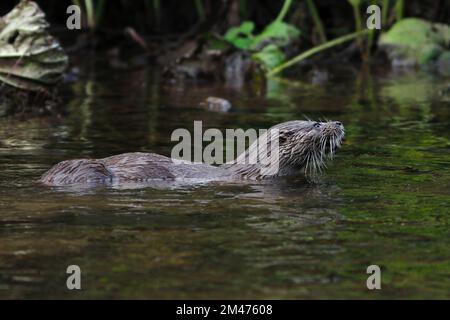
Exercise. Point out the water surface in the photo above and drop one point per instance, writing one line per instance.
(384, 200)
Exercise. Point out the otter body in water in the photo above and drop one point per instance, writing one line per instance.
(303, 146)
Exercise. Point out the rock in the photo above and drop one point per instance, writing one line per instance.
(30, 58)
(193, 69)
(217, 104)
(445, 91)
(416, 42)
(237, 68)
(318, 77)
(443, 63)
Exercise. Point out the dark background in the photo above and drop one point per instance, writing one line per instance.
(179, 16)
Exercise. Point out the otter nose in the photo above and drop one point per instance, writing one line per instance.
(339, 123)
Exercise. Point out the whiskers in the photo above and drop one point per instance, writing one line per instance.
(303, 146)
(322, 150)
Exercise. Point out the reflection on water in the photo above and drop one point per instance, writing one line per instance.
(384, 200)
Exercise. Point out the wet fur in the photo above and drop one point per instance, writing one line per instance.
(304, 146)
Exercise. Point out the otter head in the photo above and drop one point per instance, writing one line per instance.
(307, 145)
(289, 148)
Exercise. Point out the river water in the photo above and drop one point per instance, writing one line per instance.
(384, 200)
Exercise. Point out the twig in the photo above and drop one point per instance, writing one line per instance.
(317, 21)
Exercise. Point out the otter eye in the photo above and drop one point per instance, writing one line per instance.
(317, 125)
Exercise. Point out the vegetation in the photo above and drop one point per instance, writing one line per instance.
(267, 45)
(275, 34)
(270, 42)
(94, 11)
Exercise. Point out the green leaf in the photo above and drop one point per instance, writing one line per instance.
(267, 44)
(269, 57)
(415, 40)
(279, 32)
(241, 36)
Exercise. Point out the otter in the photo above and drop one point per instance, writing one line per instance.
(303, 147)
